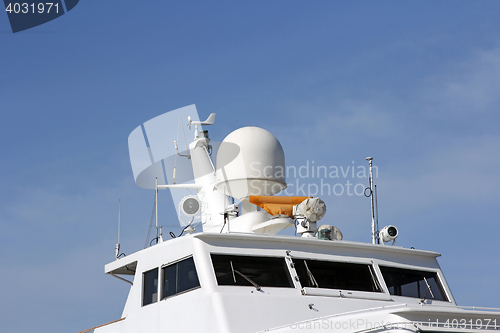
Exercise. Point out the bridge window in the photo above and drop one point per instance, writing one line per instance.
(179, 277)
(232, 270)
(150, 287)
(413, 283)
(336, 275)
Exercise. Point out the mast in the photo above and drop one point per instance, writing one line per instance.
(374, 236)
(117, 247)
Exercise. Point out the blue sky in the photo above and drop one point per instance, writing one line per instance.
(414, 84)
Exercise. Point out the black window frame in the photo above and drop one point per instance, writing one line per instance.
(367, 279)
(407, 277)
(149, 285)
(179, 269)
(264, 271)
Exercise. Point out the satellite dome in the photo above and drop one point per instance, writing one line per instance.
(250, 161)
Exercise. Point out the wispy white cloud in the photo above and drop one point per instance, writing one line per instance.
(463, 171)
(470, 88)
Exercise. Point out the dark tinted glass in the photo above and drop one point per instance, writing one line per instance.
(169, 280)
(150, 287)
(336, 275)
(179, 277)
(413, 283)
(187, 278)
(263, 271)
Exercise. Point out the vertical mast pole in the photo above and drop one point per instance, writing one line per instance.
(370, 159)
(159, 232)
(118, 244)
(156, 207)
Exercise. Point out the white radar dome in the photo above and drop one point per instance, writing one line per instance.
(250, 161)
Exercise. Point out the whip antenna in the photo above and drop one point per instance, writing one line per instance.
(370, 159)
(376, 215)
(117, 247)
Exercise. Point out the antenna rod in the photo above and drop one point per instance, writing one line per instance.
(156, 204)
(376, 215)
(159, 233)
(156, 207)
(370, 159)
(117, 247)
(185, 142)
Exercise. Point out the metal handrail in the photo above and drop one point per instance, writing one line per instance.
(478, 308)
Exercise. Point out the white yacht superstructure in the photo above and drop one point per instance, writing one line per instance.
(238, 275)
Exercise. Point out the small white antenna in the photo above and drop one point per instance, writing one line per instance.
(117, 247)
(376, 215)
(159, 233)
(185, 143)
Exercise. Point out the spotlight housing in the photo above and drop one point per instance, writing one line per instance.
(389, 233)
(190, 206)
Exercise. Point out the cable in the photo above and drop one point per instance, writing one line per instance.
(183, 230)
(189, 224)
(226, 218)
